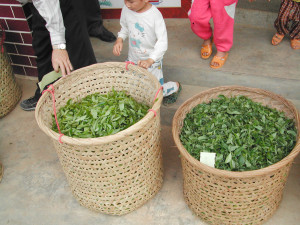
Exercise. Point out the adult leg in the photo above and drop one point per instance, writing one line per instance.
(90, 10)
(223, 16)
(41, 44)
(79, 46)
(77, 40)
(295, 27)
(199, 16)
(281, 22)
(223, 12)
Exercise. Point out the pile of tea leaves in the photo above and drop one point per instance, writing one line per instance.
(99, 115)
(244, 134)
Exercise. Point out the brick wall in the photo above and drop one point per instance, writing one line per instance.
(16, 19)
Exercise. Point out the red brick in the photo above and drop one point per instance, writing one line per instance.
(13, 37)
(10, 48)
(9, 2)
(21, 60)
(3, 24)
(18, 25)
(18, 12)
(33, 61)
(25, 50)
(31, 71)
(18, 70)
(27, 38)
(5, 11)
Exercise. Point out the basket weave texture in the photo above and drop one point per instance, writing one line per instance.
(10, 92)
(226, 197)
(115, 174)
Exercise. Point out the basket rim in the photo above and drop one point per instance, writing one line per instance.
(105, 139)
(235, 174)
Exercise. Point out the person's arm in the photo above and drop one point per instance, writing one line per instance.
(118, 47)
(161, 45)
(124, 28)
(50, 11)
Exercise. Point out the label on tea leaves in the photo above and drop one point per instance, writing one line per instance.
(208, 158)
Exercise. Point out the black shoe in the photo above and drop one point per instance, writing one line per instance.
(29, 104)
(103, 34)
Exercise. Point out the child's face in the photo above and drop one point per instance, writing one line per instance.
(136, 5)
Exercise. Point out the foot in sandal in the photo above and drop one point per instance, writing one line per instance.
(295, 43)
(277, 38)
(170, 99)
(219, 60)
(206, 49)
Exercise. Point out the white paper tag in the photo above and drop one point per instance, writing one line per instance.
(208, 158)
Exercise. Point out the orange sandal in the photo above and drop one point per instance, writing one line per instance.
(295, 43)
(219, 60)
(206, 49)
(277, 38)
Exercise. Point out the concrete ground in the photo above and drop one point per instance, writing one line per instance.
(34, 189)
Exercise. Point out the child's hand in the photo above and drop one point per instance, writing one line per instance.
(118, 46)
(145, 63)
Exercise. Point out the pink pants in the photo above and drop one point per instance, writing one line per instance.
(222, 12)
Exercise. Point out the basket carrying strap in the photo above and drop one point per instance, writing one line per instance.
(51, 90)
(152, 110)
(161, 87)
(128, 62)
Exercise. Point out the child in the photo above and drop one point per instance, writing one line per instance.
(289, 12)
(222, 12)
(144, 25)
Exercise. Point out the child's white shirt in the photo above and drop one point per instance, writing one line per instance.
(147, 34)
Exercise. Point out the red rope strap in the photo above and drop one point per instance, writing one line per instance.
(157, 93)
(152, 110)
(51, 90)
(128, 62)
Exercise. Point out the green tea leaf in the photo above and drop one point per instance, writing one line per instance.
(99, 115)
(244, 134)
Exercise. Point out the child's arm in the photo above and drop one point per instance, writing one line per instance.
(122, 35)
(161, 44)
(118, 46)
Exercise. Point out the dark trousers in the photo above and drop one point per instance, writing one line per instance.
(79, 47)
(90, 10)
(289, 12)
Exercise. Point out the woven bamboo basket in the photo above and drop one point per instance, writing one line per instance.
(226, 197)
(115, 174)
(10, 92)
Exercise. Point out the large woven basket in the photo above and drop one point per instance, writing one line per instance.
(226, 197)
(115, 174)
(10, 92)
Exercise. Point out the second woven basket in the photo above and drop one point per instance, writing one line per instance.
(115, 174)
(226, 197)
(10, 92)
